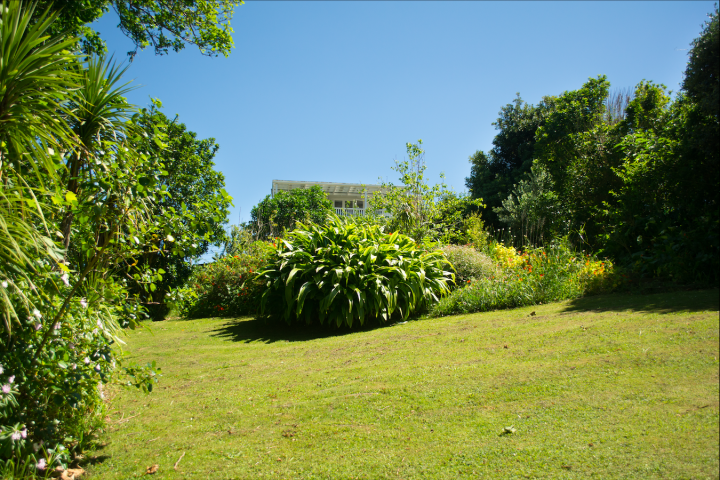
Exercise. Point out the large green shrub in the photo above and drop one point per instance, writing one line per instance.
(342, 272)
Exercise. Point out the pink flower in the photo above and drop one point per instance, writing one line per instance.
(23, 433)
(83, 303)
(66, 279)
(11, 379)
(41, 465)
(38, 326)
(6, 389)
(15, 436)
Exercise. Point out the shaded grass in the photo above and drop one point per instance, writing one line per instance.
(614, 386)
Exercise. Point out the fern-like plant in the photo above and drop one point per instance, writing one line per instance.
(342, 272)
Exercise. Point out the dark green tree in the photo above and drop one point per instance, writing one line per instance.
(702, 76)
(493, 174)
(279, 213)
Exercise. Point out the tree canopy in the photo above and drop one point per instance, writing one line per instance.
(162, 25)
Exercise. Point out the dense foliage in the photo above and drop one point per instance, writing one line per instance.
(228, 286)
(84, 199)
(280, 212)
(345, 273)
(193, 188)
(633, 177)
(532, 277)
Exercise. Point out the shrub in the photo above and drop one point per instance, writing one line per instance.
(227, 287)
(343, 271)
(468, 263)
(529, 278)
(52, 371)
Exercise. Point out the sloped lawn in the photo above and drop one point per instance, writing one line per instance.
(615, 386)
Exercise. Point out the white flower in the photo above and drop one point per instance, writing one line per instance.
(16, 436)
(66, 279)
(97, 368)
(11, 379)
(87, 360)
(38, 326)
(99, 323)
(37, 313)
(83, 303)
(23, 433)
(57, 326)
(74, 366)
(4, 284)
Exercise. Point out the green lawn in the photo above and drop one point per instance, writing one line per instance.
(614, 386)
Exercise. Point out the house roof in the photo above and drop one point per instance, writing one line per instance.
(333, 188)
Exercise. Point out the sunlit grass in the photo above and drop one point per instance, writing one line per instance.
(613, 386)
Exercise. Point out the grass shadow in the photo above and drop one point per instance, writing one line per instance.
(667, 302)
(250, 330)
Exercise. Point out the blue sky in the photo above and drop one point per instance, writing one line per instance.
(332, 91)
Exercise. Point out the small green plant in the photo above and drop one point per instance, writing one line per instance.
(341, 271)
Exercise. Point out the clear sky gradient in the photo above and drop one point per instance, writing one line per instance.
(332, 90)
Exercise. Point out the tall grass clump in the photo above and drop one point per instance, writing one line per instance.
(345, 273)
(535, 276)
(469, 264)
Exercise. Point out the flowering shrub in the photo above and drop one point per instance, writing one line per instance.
(228, 287)
(506, 257)
(469, 264)
(342, 272)
(531, 277)
(52, 374)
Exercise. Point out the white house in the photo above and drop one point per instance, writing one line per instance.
(347, 198)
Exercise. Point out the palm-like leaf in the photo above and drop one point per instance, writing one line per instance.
(35, 81)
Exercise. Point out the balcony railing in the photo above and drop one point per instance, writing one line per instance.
(349, 212)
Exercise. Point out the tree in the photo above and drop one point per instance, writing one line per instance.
(279, 213)
(702, 76)
(161, 24)
(493, 174)
(532, 207)
(194, 190)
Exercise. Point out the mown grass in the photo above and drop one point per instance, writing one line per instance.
(613, 386)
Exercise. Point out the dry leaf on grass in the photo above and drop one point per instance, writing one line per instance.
(70, 473)
(152, 470)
